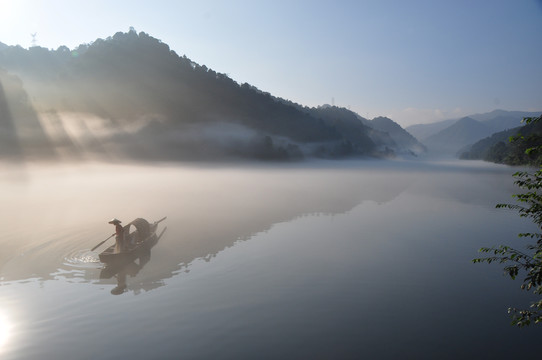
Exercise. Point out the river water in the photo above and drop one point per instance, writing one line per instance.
(320, 260)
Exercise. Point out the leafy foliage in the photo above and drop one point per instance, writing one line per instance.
(528, 263)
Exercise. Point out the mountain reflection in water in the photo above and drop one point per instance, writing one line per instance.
(316, 260)
(211, 209)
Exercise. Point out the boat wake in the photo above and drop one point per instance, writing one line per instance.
(46, 258)
(83, 259)
(62, 255)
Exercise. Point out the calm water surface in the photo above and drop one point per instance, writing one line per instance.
(330, 260)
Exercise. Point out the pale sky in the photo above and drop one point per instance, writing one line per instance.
(414, 61)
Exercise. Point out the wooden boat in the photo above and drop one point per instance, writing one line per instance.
(140, 236)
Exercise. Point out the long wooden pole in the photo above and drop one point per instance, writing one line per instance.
(94, 248)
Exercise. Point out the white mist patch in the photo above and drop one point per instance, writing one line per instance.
(226, 132)
(85, 135)
(76, 125)
(215, 132)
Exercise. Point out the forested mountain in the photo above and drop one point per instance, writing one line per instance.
(402, 139)
(480, 149)
(499, 149)
(131, 95)
(347, 123)
(388, 136)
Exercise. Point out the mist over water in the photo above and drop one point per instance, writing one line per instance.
(316, 260)
(213, 207)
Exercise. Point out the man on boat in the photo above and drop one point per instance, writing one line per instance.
(119, 232)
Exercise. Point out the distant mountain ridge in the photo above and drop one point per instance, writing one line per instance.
(423, 131)
(498, 113)
(130, 94)
(497, 119)
(463, 132)
(450, 136)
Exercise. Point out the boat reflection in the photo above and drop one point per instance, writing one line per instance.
(123, 267)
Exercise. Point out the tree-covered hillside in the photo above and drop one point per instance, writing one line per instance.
(150, 102)
(400, 136)
(388, 136)
(499, 149)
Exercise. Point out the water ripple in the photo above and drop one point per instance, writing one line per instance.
(83, 259)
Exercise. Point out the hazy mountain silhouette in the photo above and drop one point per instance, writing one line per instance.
(463, 132)
(347, 124)
(387, 135)
(451, 136)
(498, 120)
(423, 131)
(403, 140)
(130, 95)
(512, 116)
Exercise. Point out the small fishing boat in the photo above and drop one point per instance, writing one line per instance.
(140, 236)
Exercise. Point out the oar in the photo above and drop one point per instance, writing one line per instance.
(162, 233)
(94, 248)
